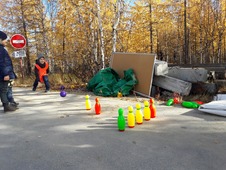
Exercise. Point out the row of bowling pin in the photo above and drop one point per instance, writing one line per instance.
(148, 113)
(97, 105)
(151, 111)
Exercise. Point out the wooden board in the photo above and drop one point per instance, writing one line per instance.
(172, 84)
(192, 75)
(143, 66)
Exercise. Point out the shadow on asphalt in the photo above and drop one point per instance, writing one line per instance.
(205, 116)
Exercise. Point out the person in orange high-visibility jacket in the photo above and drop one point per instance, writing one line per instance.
(41, 73)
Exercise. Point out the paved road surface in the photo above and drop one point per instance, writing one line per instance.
(49, 132)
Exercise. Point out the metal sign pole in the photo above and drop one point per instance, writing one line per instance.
(21, 68)
(20, 54)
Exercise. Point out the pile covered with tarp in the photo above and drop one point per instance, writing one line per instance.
(108, 83)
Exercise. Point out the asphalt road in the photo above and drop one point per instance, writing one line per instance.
(49, 132)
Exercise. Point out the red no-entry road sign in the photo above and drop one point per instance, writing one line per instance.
(18, 41)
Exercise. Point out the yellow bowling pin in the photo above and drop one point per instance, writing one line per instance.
(147, 113)
(88, 103)
(139, 115)
(130, 117)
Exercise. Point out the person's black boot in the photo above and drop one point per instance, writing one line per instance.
(15, 104)
(9, 107)
(12, 102)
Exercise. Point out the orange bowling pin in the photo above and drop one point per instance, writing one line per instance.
(97, 106)
(152, 108)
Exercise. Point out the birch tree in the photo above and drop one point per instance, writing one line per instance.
(102, 45)
(118, 11)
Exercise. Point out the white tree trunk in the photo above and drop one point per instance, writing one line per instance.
(101, 33)
(93, 39)
(118, 9)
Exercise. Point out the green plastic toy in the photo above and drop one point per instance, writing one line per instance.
(191, 104)
(121, 120)
(169, 102)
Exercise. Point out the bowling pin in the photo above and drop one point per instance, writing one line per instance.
(147, 114)
(88, 103)
(139, 115)
(130, 117)
(152, 108)
(121, 120)
(97, 106)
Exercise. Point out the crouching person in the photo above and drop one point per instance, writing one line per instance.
(41, 73)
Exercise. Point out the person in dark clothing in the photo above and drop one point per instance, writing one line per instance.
(6, 73)
(41, 73)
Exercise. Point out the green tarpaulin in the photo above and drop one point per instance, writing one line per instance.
(108, 83)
